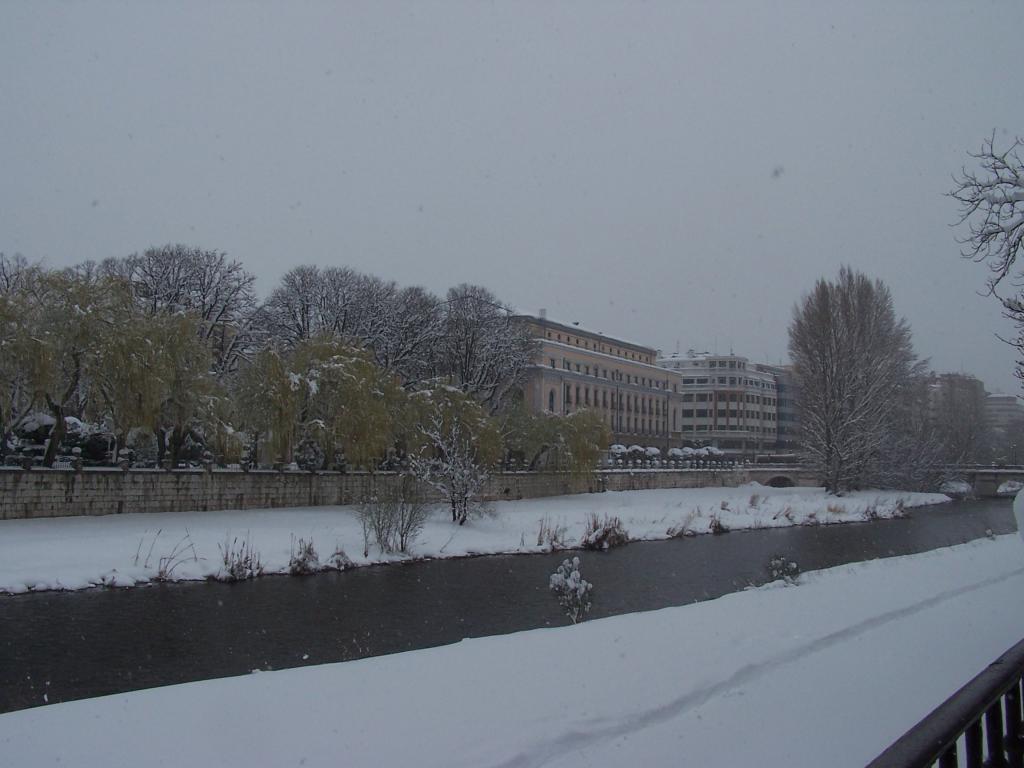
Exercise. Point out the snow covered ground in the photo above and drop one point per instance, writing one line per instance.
(123, 550)
(828, 672)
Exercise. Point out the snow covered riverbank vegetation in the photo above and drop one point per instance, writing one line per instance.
(771, 676)
(123, 550)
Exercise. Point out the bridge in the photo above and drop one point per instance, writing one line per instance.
(984, 481)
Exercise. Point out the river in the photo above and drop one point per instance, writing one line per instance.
(59, 646)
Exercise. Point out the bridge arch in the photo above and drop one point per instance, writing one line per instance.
(781, 481)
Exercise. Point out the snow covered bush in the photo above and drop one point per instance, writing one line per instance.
(1009, 488)
(339, 560)
(781, 567)
(716, 526)
(240, 561)
(571, 589)
(309, 455)
(604, 534)
(395, 517)
(303, 558)
(957, 489)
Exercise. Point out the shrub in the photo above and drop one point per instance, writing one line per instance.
(716, 526)
(309, 455)
(184, 552)
(755, 500)
(684, 528)
(339, 560)
(395, 517)
(604, 534)
(303, 559)
(724, 506)
(550, 534)
(781, 567)
(240, 560)
(571, 590)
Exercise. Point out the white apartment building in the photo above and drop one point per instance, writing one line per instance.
(725, 401)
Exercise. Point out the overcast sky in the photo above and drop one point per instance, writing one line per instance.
(672, 173)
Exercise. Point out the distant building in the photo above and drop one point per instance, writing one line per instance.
(700, 399)
(579, 368)
(788, 395)
(725, 401)
(1003, 412)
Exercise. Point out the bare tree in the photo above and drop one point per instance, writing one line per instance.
(206, 284)
(851, 357)
(991, 201)
(485, 353)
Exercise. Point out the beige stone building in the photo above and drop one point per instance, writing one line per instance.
(579, 368)
(722, 401)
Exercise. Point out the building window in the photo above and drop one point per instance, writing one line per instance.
(551, 401)
(552, 362)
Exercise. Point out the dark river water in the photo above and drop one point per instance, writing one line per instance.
(59, 646)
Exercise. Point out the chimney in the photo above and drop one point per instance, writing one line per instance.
(543, 314)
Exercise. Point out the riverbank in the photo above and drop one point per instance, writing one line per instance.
(126, 550)
(772, 676)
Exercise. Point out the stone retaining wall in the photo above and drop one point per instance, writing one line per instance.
(57, 493)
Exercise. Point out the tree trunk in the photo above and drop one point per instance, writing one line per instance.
(161, 445)
(56, 434)
(177, 438)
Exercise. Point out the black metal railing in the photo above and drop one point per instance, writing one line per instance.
(980, 723)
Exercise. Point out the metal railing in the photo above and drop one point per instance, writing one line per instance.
(980, 723)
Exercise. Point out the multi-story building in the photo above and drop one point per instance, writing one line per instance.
(1003, 412)
(579, 368)
(725, 401)
(721, 401)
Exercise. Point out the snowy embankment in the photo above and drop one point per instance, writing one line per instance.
(828, 672)
(123, 550)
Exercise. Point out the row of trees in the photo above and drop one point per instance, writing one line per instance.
(172, 349)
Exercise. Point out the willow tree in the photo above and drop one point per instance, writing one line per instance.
(585, 436)
(70, 316)
(349, 402)
(189, 393)
(269, 400)
(130, 374)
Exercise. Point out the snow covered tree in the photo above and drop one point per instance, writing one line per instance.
(851, 356)
(991, 201)
(458, 446)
